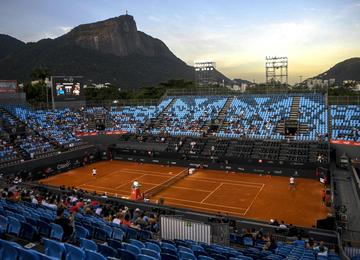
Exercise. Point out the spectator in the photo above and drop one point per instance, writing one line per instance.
(65, 223)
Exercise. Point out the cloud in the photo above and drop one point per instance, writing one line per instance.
(154, 18)
(65, 29)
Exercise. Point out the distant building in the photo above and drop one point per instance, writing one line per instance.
(314, 83)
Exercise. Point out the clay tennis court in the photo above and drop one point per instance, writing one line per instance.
(234, 194)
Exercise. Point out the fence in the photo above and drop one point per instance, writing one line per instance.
(177, 228)
(226, 92)
(344, 100)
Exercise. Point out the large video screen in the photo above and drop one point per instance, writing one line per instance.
(67, 88)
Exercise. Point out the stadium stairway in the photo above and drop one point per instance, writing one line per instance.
(223, 112)
(160, 119)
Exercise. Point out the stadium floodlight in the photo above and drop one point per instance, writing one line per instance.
(276, 70)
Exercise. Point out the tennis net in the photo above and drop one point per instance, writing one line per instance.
(153, 191)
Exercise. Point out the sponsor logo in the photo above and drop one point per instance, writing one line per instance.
(65, 165)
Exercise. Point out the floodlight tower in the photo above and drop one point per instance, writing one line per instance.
(205, 73)
(276, 70)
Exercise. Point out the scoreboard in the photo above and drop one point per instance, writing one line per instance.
(67, 88)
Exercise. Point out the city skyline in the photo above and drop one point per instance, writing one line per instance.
(236, 35)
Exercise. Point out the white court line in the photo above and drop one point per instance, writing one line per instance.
(254, 199)
(226, 181)
(204, 208)
(211, 193)
(101, 187)
(198, 202)
(143, 171)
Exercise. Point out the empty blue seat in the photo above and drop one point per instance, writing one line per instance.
(153, 246)
(92, 255)
(185, 249)
(186, 255)
(126, 254)
(116, 244)
(3, 222)
(168, 246)
(44, 228)
(202, 257)
(132, 233)
(81, 232)
(88, 244)
(107, 251)
(26, 254)
(137, 243)
(145, 257)
(74, 252)
(132, 248)
(165, 256)
(149, 252)
(54, 248)
(57, 232)
(102, 233)
(118, 234)
(14, 226)
(8, 250)
(28, 232)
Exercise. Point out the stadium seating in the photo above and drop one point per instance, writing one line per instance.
(256, 116)
(345, 123)
(189, 114)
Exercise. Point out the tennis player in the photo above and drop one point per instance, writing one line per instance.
(94, 172)
(292, 183)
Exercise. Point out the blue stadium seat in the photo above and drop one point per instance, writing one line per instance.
(54, 248)
(26, 254)
(126, 254)
(153, 246)
(88, 244)
(3, 223)
(81, 232)
(186, 255)
(133, 248)
(74, 252)
(8, 250)
(14, 226)
(137, 243)
(57, 232)
(149, 252)
(146, 257)
(92, 255)
(44, 228)
(118, 234)
(28, 232)
(107, 251)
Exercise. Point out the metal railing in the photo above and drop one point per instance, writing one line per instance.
(344, 100)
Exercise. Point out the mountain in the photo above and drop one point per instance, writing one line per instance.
(9, 45)
(346, 70)
(107, 51)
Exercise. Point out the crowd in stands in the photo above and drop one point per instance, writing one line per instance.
(345, 122)
(7, 151)
(248, 116)
(256, 116)
(58, 125)
(188, 115)
(71, 225)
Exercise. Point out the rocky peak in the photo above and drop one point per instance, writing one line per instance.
(118, 36)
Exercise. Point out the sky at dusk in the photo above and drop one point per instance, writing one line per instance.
(237, 35)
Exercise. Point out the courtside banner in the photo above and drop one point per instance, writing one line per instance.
(345, 142)
(118, 132)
